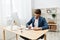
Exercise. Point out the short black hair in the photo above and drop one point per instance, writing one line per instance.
(37, 11)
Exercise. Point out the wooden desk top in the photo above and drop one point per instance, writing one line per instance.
(31, 34)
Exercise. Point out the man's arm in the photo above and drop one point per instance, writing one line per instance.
(45, 24)
(29, 22)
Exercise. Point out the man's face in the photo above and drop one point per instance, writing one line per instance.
(37, 15)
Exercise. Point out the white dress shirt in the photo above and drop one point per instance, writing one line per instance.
(36, 23)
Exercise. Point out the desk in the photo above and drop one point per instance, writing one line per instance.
(31, 34)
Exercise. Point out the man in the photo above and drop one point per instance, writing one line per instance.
(37, 22)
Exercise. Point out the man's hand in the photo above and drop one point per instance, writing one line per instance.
(37, 28)
(29, 27)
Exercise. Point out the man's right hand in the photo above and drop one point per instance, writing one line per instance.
(29, 27)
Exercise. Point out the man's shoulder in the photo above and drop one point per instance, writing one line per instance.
(42, 17)
(33, 17)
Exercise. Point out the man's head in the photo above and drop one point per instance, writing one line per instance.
(37, 13)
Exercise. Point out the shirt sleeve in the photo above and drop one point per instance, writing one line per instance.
(29, 22)
(45, 24)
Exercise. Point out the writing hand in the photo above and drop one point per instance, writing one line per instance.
(37, 28)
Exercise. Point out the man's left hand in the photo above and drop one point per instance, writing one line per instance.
(37, 28)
